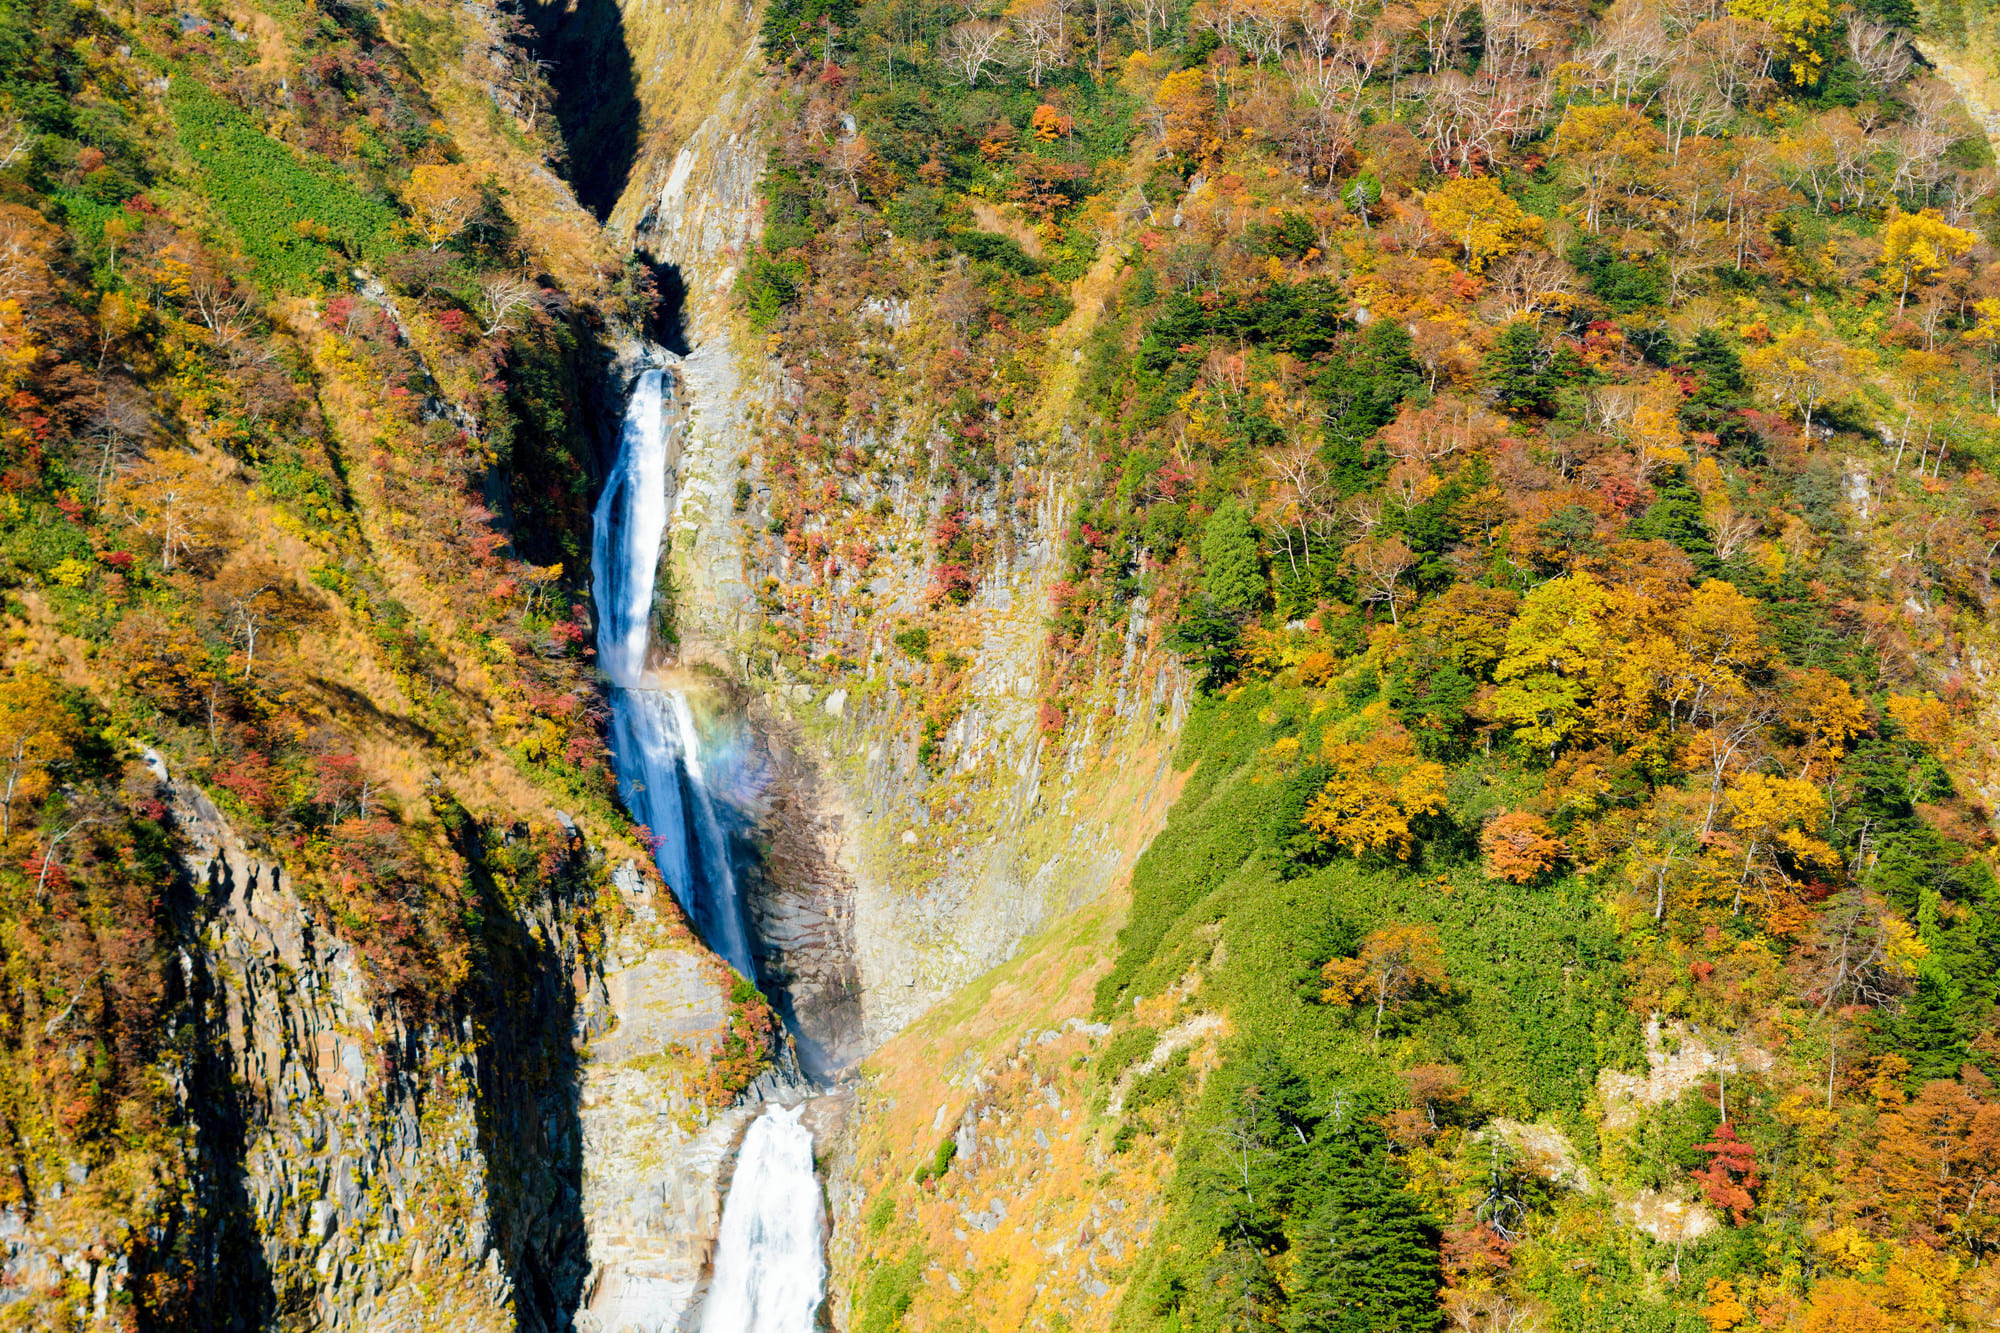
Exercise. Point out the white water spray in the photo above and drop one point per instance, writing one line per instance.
(768, 1265)
(653, 744)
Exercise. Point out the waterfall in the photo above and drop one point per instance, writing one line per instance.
(654, 748)
(768, 1265)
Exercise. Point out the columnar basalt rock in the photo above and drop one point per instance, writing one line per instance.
(347, 1150)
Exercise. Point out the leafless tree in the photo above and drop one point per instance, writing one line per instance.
(1853, 954)
(1042, 37)
(1378, 565)
(1631, 48)
(850, 157)
(51, 856)
(974, 47)
(1464, 119)
(500, 295)
(1963, 192)
(15, 138)
(1150, 15)
(1731, 531)
(1880, 52)
(121, 426)
(1527, 282)
(1917, 146)
(1690, 107)
(1729, 52)
(1305, 485)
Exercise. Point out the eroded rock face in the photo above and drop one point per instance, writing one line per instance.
(653, 1153)
(546, 1146)
(801, 901)
(355, 1170)
(658, 1161)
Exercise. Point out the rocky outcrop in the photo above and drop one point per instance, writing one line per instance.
(544, 1153)
(356, 1170)
(886, 884)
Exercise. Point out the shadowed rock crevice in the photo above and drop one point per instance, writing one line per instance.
(597, 94)
(530, 1090)
(800, 901)
(233, 1284)
(666, 324)
(342, 1147)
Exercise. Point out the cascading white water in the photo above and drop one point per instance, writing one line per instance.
(653, 744)
(768, 1265)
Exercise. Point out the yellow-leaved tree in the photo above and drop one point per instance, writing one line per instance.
(36, 732)
(444, 199)
(1477, 214)
(1774, 820)
(1379, 785)
(1916, 245)
(1795, 23)
(1601, 149)
(174, 497)
(1804, 368)
(1554, 659)
(1184, 114)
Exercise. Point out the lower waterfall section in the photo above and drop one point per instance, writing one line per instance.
(770, 1269)
(655, 750)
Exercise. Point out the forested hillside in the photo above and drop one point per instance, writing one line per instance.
(302, 351)
(1558, 438)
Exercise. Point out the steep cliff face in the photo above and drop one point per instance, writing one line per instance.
(655, 1158)
(555, 1151)
(551, 1149)
(890, 881)
(370, 1170)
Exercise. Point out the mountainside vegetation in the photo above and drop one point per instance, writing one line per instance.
(1555, 444)
(1559, 441)
(296, 444)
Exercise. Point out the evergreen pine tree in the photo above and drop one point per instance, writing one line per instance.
(1721, 389)
(1232, 574)
(1675, 516)
(1365, 1258)
(1518, 369)
(1927, 1031)
(1721, 369)
(1206, 639)
(1363, 386)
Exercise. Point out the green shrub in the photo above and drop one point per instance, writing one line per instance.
(881, 1212)
(295, 216)
(940, 1162)
(888, 1294)
(1123, 1051)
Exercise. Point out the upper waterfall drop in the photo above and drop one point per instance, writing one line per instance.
(655, 751)
(627, 530)
(770, 1271)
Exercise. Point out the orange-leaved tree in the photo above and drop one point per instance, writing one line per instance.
(1520, 848)
(1394, 963)
(1934, 1174)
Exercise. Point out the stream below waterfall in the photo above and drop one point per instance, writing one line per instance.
(769, 1270)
